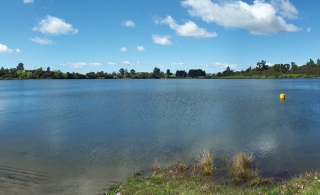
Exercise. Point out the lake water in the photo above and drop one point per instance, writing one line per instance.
(80, 136)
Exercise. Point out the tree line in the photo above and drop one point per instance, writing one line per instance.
(309, 70)
(262, 70)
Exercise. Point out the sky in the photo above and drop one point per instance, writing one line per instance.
(106, 35)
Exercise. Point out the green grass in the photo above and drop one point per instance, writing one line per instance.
(191, 180)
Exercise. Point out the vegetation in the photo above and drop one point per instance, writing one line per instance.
(206, 163)
(237, 177)
(262, 70)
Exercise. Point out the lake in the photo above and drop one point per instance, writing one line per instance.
(80, 136)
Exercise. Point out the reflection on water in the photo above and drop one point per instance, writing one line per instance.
(83, 135)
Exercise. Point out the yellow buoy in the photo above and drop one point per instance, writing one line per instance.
(282, 96)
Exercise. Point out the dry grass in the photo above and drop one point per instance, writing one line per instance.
(241, 168)
(206, 163)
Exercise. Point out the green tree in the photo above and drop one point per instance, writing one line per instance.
(121, 71)
(156, 73)
(20, 66)
(294, 67)
(168, 73)
(262, 65)
(181, 74)
(132, 72)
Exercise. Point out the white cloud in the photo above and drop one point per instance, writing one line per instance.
(18, 50)
(223, 66)
(126, 63)
(41, 41)
(112, 63)
(80, 64)
(309, 29)
(27, 1)
(140, 48)
(5, 49)
(285, 8)
(55, 26)
(94, 64)
(177, 63)
(128, 23)
(188, 29)
(123, 49)
(258, 18)
(161, 40)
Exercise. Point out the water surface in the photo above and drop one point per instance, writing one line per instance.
(61, 136)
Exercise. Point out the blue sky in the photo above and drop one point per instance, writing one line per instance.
(106, 35)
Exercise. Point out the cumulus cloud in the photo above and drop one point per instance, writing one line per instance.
(285, 8)
(55, 26)
(5, 49)
(188, 29)
(128, 23)
(27, 1)
(258, 18)
(18, 50)
(80, 64)
(123, 49)
(140, 48)
(41, 41)
(161, 40)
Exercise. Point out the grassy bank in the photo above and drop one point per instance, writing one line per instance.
(234, 175)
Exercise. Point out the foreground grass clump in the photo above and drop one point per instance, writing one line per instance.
(241, 169)
(206, 163)
(239, 178)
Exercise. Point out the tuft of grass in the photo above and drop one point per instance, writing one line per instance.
(206, 163)
(179, 167)
(241, 169)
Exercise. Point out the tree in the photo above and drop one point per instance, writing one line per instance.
(227, 72)
(48, 69)
(20, 66)
(181, 74)
(156, 73)
(196, 73)
(262, 65)
(168, 73)
(132, 72)
(311, 63)
(121, 71)
(91, 75)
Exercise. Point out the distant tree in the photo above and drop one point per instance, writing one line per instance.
(181, 74)
(12, 73)
(48, 69)
(168, 73)
(262, 65)
(310, 63)
(132, 72)
(121, 71)
(228, 72)
(156, 73)
(20, 66)
(196, 73)
(294, 67)
(91, 75)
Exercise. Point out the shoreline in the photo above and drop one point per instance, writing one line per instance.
(236, 175)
